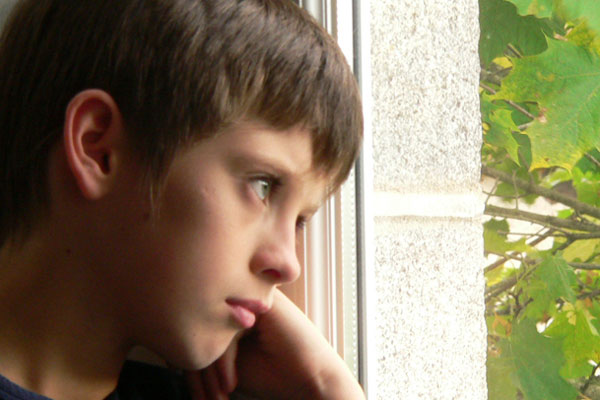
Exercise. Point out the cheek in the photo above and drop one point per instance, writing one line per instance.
(199, 235)
(212, 214)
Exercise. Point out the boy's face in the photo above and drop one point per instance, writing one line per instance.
(224, 238)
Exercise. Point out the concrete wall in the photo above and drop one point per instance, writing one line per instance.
(430, 331)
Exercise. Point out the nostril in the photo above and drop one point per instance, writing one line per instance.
(272, 273)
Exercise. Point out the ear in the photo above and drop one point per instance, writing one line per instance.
(93, 141)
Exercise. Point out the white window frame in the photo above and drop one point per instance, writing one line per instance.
(338, 241)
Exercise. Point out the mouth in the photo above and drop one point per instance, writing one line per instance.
(244, 311)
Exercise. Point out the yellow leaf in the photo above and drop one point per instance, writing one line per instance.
(504, 62)
(581, 249)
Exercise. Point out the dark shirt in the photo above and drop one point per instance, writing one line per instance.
(138, 381)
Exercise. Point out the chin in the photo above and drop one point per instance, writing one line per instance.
(195, 355)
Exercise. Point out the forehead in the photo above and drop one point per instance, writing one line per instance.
(290, 149)
(287, 154)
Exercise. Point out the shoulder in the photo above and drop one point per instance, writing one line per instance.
(140, 381)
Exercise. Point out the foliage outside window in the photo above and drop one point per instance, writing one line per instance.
(540, 103)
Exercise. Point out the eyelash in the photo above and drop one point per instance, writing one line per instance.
(300, 223)
(274, 184)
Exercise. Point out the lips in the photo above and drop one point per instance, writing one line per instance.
(244, 311)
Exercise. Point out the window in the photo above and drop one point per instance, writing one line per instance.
(334, 250)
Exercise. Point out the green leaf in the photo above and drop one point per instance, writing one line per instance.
(542, 302)
(488, 107)
(497, 275)
(500, 25)
(594, 310)
(586, 164)
(521, 118)
(499, 126)
(524, 149)
(586, 182)
(564, 214)
(576, 369)
(497, 244)
(538, 360)
(565, 81)
(499, 325)
(560, 326)
(558, 277)
(497, 225)
(586, 10)
(539, 8)
(507, 191)
(560, 175)
(559, 84)
(589, 192)
(553, 279)
(500, 372)
(582, 345)
(500, 133)
(582, 36)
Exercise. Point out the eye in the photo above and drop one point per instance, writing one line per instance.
(262, 187)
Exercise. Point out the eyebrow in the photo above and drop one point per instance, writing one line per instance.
(241, 160)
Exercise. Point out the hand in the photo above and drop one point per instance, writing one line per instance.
(282, 357)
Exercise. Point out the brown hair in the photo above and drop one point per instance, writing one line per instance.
(179, 70)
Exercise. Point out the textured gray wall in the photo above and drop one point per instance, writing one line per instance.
(425, 89)
(431, 338)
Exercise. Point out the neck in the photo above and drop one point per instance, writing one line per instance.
(56, 338)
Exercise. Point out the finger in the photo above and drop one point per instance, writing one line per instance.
(195, 386)
(212, 387)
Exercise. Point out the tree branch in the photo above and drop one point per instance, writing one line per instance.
(593, 160)
(588, 295)
(500, 287)
(509, 102)
(514, 51)
(578, 236)
(587, 267)
(508, 283)
(495, 264)
(581, 207)
(589, 380)
(504, 259)
(540, 219)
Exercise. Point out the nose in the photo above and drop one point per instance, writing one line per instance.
(275, 258)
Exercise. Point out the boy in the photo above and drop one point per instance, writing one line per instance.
(158, 159)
